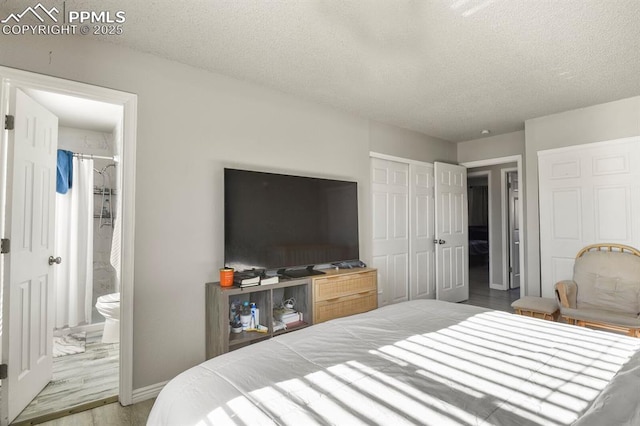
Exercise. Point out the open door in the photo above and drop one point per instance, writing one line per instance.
(28, 276)
(452, 239)
(513, 236)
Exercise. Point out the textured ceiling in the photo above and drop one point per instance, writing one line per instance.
(447, 68)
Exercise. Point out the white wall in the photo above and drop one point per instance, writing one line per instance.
(191, 124)
(403, 143)
(491, 147)
(597, 123)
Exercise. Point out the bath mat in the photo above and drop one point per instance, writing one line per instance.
(69, 344)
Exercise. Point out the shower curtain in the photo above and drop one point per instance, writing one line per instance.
(74, 244)
(116, 243)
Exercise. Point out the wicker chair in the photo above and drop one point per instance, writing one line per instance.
(605, 289)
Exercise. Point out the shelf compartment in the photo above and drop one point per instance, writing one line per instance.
(293, 327)
(245, 338)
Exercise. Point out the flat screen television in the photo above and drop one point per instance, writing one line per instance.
(284, 222)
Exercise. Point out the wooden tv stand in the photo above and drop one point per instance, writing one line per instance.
(320, 298)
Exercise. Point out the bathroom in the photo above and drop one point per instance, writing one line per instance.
(103, 201)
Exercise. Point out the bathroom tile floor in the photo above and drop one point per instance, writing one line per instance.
(78, 379)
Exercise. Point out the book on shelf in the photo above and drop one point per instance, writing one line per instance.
(246, 279)
(247, 282)
(280, 312)
(270, 280)
(292, 317)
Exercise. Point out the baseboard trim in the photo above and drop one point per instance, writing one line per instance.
(147, 392)
(497, 287)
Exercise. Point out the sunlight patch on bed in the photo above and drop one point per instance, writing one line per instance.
(368, 408)
(217, 417)
(247, 412)
(324, 407)
(492, 367)
(451, 384)
(459, 414)
(550, 377)
(284, 404)
(389, 358)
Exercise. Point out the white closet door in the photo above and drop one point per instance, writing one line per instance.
(422, 233)
(390, 202)
(588, 194)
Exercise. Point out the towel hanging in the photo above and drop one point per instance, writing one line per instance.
(64, 174)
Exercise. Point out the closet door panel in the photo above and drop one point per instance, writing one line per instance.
(390, 198)
(588, 194)
(422, 248)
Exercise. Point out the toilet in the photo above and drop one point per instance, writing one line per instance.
(109, 307)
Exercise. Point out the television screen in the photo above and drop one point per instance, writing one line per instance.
(274, 221)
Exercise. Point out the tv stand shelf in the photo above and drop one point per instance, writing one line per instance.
(220, 339)
(334, 294)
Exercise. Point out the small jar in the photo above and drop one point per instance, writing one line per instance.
(226, 277)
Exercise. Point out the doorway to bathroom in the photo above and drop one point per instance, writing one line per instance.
(91, 232)
(85, 349)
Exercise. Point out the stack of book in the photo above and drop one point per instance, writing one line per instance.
(246, 279)
(287, 316)
(269, 280)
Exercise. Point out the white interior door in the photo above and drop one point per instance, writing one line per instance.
(30, 221)
(390, 203)
(588, 194)
(452, 239)
(422, 233)
(514, 230)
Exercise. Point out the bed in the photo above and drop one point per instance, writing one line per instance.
(418, 362)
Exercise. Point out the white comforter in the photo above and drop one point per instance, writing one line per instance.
(419, 362)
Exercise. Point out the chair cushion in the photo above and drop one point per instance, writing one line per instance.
(536, 304)
(609, 281)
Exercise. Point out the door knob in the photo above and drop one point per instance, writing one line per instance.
(439, 241)
(56, 260)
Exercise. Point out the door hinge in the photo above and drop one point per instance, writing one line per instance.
(5, 246)
(8, 122)
(4, 371)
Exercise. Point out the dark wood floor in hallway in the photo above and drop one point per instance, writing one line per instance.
(481, 295)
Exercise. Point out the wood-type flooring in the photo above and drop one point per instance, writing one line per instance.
(481, 295)
(79, 380)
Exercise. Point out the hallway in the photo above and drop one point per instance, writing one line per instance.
(481, 295)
